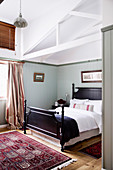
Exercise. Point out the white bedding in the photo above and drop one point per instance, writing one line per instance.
(86, 120)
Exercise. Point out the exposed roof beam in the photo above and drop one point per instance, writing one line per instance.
(43, 59)
(86, 15)
(89, 26)
(71, 5)
(64, 46)
(43, 37)
(92, 30)
(89, 31)
(58, 34)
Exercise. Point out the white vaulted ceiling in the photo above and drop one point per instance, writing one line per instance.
(59, 31)
(31, 9)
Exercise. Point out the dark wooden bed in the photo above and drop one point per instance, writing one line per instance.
(45, 121)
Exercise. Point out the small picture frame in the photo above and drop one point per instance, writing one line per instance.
(91, 76)
(38, 77)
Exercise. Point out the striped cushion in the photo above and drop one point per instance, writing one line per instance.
(83, 107)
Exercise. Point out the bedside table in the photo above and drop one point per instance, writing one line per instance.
(66, 105)
(54, 107)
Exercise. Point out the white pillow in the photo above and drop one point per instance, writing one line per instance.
(77, 101)
(84, 107)
(97, 105)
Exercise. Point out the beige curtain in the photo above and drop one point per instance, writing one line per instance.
(15, 95)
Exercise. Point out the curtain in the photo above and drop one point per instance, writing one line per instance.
(15, 95)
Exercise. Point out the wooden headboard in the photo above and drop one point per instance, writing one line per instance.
(91, 93)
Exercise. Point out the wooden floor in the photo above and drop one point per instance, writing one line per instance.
(84, 162)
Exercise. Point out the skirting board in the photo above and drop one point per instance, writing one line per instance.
(3, 126)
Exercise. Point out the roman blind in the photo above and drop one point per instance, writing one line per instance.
(7, 36)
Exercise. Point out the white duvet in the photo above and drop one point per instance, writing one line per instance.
(86, 120)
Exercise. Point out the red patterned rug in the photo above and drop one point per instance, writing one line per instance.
(17, 151)
(93, 150)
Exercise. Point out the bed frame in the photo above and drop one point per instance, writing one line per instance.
(47, 123)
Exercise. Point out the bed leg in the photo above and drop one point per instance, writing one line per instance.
(24, 128)
(62, 130)
(73, 90)
(62, 148)
(62, 145)
(24, 117)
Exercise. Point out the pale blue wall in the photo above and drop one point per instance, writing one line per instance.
(69, 74)
(57, 82)
(40, 94)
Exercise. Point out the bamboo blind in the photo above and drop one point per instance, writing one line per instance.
(7, 36)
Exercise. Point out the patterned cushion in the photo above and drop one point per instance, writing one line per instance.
(83, 107)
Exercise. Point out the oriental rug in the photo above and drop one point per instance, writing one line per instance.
(93, 150)
(17, 151)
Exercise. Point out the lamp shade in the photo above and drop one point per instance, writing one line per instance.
(20, 22)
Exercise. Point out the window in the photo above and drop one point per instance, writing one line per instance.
(3, 80)
(7, 36)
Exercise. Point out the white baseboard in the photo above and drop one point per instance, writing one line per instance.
(3, 126)
(103, 169)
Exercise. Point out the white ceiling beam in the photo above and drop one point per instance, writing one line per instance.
(88, 27)
(42, 38)
(58, 34)
(92, 30)
(63, 47)
(43, 59)
(69, 7)
(86, 15)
